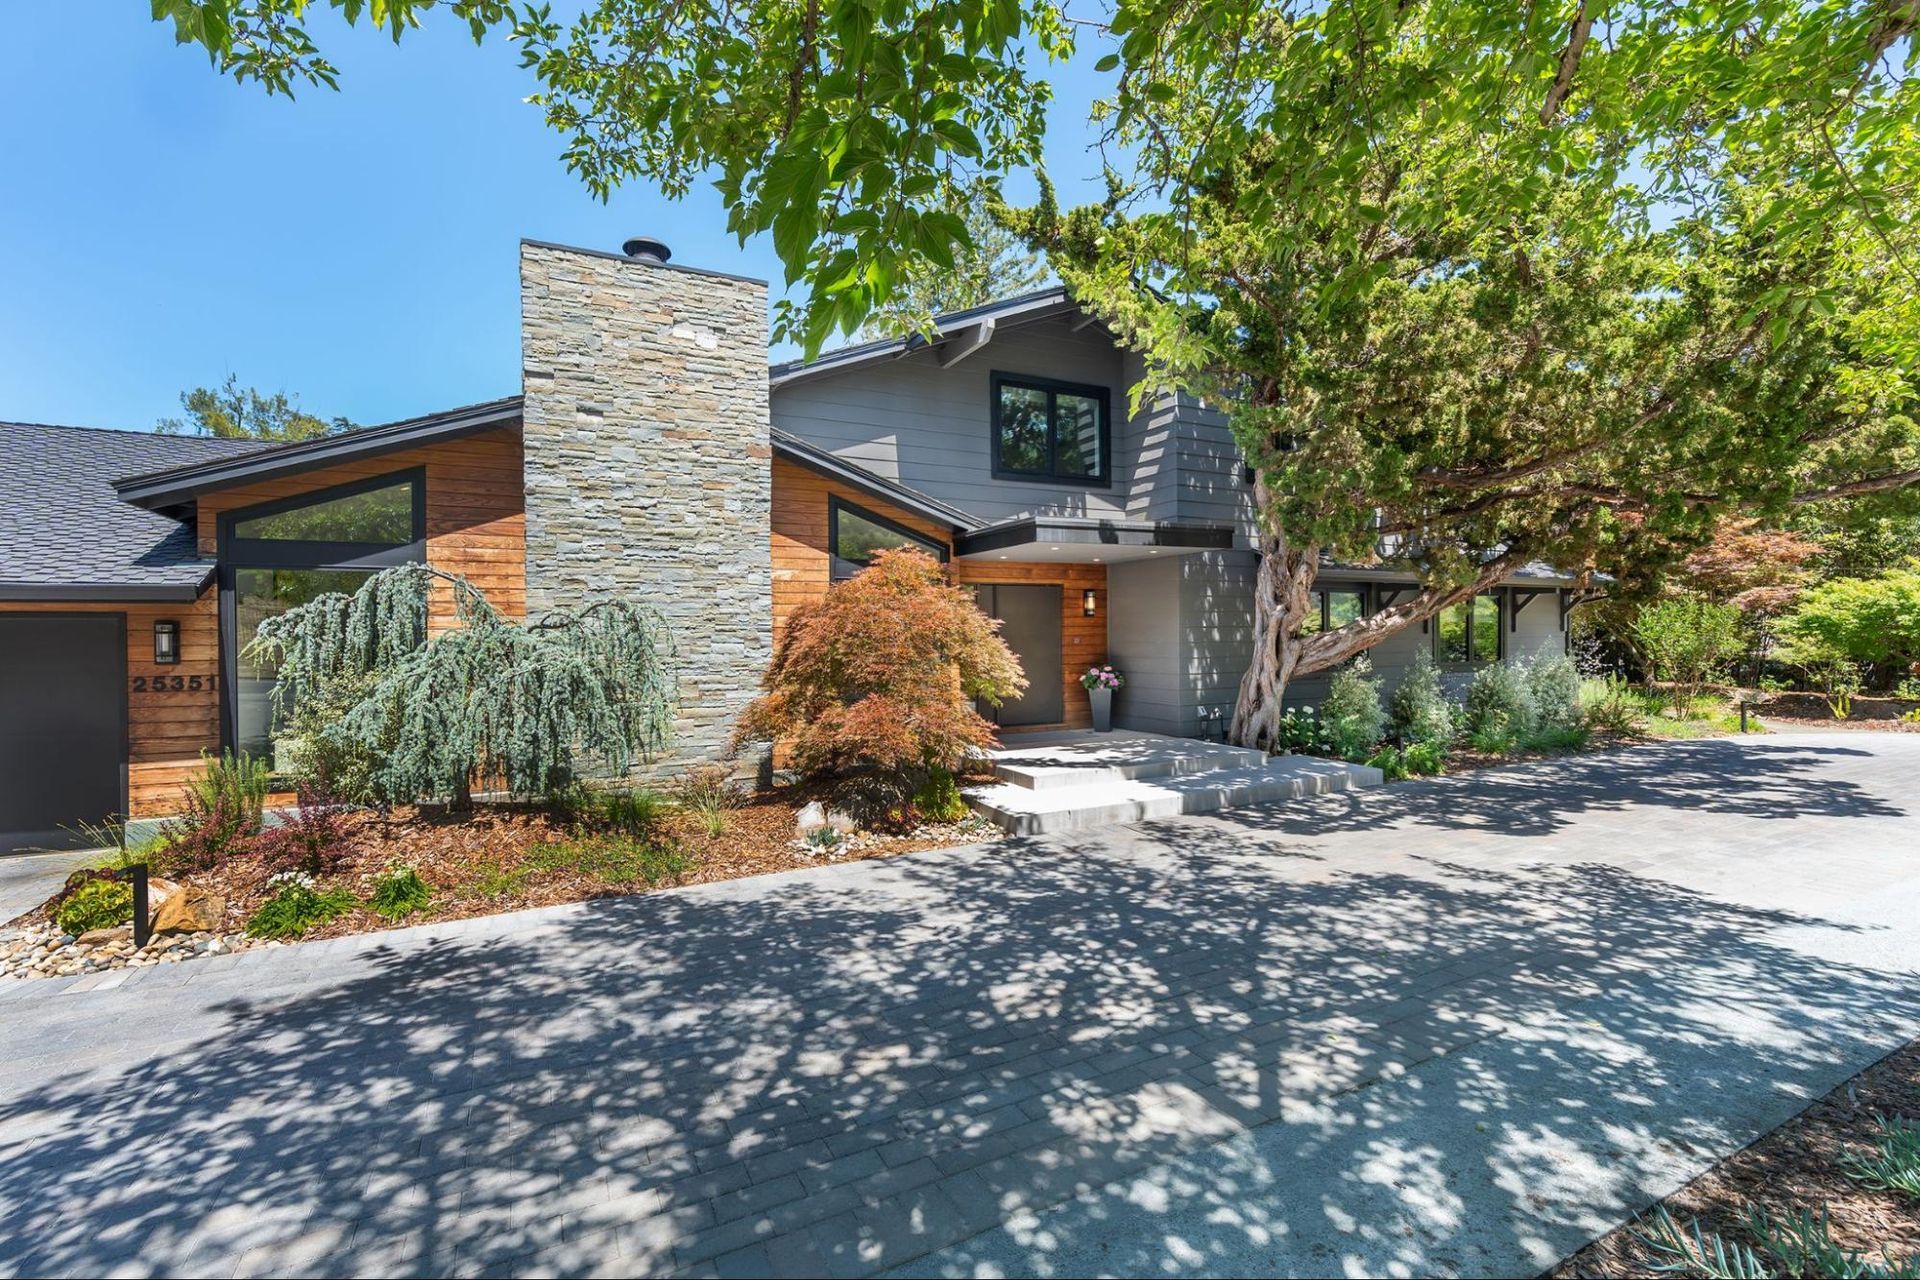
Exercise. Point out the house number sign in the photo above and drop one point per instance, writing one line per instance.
(175, 684)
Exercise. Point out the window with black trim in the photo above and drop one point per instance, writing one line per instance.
(1047, 430)
(1334, 607)
(855, 536)
(284, 553)
(1468, 632)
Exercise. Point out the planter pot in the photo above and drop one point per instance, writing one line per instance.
(1102, 703)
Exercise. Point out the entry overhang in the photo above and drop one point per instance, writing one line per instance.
(1081, 538)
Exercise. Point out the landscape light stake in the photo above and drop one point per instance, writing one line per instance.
(1743, 715)
(142, 925)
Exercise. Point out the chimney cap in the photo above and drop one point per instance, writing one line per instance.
(646, 249)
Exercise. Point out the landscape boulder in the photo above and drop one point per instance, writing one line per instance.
(190, 910)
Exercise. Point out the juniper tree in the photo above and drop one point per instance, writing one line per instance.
(490, 701)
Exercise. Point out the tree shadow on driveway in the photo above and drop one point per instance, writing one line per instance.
(1416, 1065)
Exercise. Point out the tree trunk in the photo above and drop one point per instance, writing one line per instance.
(1283, 594)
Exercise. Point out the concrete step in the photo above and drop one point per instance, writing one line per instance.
(1044, 761)
(1022, 810)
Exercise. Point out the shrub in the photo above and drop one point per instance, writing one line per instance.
(97, 904)
(296, 905)
(1553, 686)
(1559, 738)
(205, 835)
(310, 839)
(875, 684)
(1420, 710)
(398, 892)
(1894, 1163)
(235, 785)
(939, 800)
(1351, 715)
(1872, 620)
(1499, 707)
(1300, 730)
(634, 811)
(1687, 643)
(1609, 705)
(1424, 759)
(708, 791)
(1391, 764)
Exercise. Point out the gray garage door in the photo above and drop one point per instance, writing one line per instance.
(63, 730)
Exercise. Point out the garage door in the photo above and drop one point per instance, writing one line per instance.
(63, 733)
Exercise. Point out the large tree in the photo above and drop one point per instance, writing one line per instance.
(1477, 283)
(234, 412)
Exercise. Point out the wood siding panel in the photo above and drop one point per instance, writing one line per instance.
(1083, 640)
(476, 512)
(166, 731)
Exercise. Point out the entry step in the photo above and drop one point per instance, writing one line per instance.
(1072, 785)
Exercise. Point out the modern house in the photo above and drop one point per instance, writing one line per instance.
(653, 453)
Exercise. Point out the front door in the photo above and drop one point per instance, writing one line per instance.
(1030, 624)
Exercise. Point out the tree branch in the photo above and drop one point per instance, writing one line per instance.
(1854, 488)
(1569, 64)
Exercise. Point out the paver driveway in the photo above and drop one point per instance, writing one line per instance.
(1457, 1026)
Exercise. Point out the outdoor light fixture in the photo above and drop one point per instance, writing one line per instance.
(1088, 602)
(166, 643)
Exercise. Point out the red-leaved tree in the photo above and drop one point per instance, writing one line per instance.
(873, 687)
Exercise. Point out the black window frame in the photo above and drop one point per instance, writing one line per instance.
(1053, 387)
(1474, 658)
(293, 553)
(836, 504)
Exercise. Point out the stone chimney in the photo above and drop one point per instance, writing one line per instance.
(648, 467)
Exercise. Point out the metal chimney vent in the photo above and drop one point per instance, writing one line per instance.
(646, 249)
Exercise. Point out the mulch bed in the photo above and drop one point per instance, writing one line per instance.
(478, 863)
(1813, 707)
(1794, 1166)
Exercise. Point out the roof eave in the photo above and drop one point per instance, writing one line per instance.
(104, 592)
(1025, 306)
(821, 462)
(162, 489)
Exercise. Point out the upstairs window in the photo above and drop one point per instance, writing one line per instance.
(855, 537)
(1046, 430)
(1333, 608)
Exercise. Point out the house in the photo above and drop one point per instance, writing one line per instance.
(652, 452)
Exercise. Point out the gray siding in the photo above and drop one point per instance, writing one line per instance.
(1180, 630)
(929, 428)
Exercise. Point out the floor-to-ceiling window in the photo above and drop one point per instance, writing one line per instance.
(285, 553)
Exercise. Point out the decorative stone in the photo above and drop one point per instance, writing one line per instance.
(101, 937)
(810, 819)
(190, 911)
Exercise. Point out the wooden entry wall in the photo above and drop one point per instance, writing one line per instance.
(1083, 640)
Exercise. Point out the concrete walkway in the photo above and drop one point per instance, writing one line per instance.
(1456, 1027)
(29, 879)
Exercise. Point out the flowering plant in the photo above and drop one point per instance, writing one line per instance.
(1101, 677)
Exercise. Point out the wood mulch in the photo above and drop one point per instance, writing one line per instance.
(483, 862)
(1795, 1166)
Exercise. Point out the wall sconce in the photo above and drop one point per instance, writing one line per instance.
(166, 643)
(1088, 602)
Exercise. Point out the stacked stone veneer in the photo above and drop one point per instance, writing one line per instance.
(648, 467)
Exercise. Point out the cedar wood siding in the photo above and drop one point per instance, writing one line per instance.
(166, 731)
(802, 569)
(476, 527)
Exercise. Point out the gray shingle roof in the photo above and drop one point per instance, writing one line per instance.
(65, 535)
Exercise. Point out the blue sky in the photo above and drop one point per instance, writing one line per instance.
(162, 226)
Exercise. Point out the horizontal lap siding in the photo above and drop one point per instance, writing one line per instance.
(476, 511)
(166, 731)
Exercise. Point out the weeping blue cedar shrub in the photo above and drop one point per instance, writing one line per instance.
(533, 705)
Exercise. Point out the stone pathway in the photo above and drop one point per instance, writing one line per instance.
(1454, 1027)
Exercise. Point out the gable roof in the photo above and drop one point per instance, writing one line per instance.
(1021, 309)
(178, 484)
(65, 534)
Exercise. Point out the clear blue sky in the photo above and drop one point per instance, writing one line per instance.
(161, 227)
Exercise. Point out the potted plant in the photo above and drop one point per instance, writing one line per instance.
(1100, 682)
